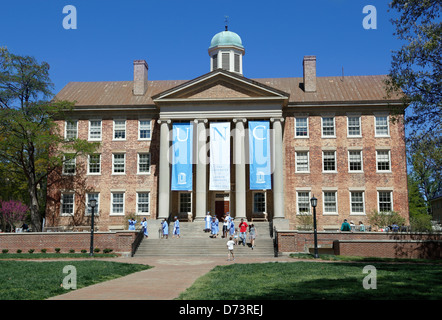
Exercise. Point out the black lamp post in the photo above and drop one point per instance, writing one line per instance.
(92, 204)
(314, 203)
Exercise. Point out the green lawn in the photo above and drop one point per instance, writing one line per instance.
(30, 280)
(312, 280)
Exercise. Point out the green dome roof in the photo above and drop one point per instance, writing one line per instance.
(226, 38)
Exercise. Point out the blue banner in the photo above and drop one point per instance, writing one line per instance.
(182, 156)
(259, 155)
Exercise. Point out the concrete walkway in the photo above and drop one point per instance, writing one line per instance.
(169, 277)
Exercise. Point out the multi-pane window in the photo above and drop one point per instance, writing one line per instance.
(381, 125)
(385, 203)
(355, 160)
(67, 203)
(89, 197)
(302, 161)
(236, 62)
(303, 202)
(354, 126)
(143, 162)
(226, 61)
(143, 202)
(383, 160)
(329, 160)
(328, 126)
(94, 163)
(357, 202)
(330, 202)
(71, 131)
(145, 130)
(215, 62)
(259, 202)
(117, 204)
(301, 127)
(185, 202)
(69, 165)
(95, 130)
(118, 163)
(119, 129)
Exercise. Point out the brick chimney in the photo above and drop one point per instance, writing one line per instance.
(140, 77)
(309, 67)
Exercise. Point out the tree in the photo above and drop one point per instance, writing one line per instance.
(416, 66)
(30, 142)
(12, 212)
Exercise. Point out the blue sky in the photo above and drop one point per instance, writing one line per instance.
(174, 36)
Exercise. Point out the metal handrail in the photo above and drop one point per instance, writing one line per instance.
(137, 241)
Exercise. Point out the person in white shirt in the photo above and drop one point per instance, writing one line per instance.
(230, 245)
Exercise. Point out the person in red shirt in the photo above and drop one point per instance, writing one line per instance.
(243, 231)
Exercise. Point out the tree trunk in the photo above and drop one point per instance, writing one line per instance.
(34, 207)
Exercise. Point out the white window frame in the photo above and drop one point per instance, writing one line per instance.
(377, 160)
(66, 129)
(308, 201)
(140, 128)
(296, 162)
(323, 162)
(89, 130)
(89, 164)
(120, 129)
(324, 202)
(112, 213)
(322, 127)
(113, 163)
(391, 199)
(363, 203)
(348, 127)
(62, 203)
(138, 162)
(376, 134)
(307, 123)
(362, 161)
(253, 201)
(148, 203)
(88, 210)
(64, 167)
(191, 201)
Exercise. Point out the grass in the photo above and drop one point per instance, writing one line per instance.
(30, 280)
(6, 256)
(312, 280)
(331, 257)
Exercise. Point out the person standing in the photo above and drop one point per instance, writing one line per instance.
(232, 227)
(176, 228)
(226, 225)
(243, 231)
(165, 228)
(144, 226)
(230, 245)
(208, 220)
(132, 223)
(213, 228)
(252, 235)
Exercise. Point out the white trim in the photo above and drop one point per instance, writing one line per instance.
(113, 163)
(360, 126)
(97, 208)
(179, 201)
(297, 202)
(139, 129)
(322, 126)
(391, 198)
(294, 122)
(253, 201)
(88, 165)
(335, 191)
(389, 161)
(382, 114)
(73, 204)
(66, 126)
(362, 161)
(363, 213)
(149, 203)
(125, 130)
(64, 167)
(138, 163)
(336, 165)
(308, 162)
(89, 130)
(111, 213)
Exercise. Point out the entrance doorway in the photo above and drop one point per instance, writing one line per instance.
(221, 208)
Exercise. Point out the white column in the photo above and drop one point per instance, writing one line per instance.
(201, 169)
(164, 170)
(240, 169)
(278, 169)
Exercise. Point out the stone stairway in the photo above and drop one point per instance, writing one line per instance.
(195, 242)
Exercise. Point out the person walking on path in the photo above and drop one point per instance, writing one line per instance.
(213, 228)
(345, 226)
(243, 231)
(230, 245)
(176, 228)
(165, 228)
(132, 223)
(144, 226)
(252, 235)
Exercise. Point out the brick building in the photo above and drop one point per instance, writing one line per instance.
(330, 137)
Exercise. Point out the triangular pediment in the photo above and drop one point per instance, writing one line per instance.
(220, 85)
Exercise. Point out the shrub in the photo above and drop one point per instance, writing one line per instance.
(71, 251)
(83, 251)
(31, 250)
(421, 223)
(43, 250)
(384, 219)
(96, 250)
(107, 250)
(19, 251)
(5, 251)
(57, 250)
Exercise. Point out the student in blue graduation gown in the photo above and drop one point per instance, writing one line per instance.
(213, 228)
(176, 228)
(165, 227)
(232, 227)
(208, 220)
(144, 226)
(132, 223)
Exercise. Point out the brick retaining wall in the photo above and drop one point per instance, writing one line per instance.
(118, 241)
(364, 244)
